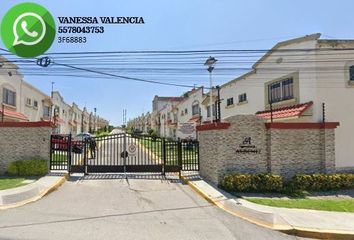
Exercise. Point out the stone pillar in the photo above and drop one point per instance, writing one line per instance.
(24, 140)
(329, 150)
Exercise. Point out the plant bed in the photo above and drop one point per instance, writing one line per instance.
(298, 185)
(27, 168)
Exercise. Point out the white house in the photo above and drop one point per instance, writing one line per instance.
(20, 101)
(299, 76)
(191, 113)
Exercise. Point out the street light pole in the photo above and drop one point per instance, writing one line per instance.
(51, 104)
(210, 63)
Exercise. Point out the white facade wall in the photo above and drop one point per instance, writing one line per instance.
(63, 113)
(30, 95)
(254, 83)
(337, 92)
(163, 129)
(185, 114)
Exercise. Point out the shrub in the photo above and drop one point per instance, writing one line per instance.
(252, 182)
(237, 182)
(266, 182)
(298, 186)
(323, 182)
(33, 167)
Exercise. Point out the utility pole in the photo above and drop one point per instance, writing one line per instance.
(82, 122)
(94, 120)
(51, 105)
(124, 116)
(125, 119)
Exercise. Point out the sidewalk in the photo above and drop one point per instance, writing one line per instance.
(301, 222)
(19, 196)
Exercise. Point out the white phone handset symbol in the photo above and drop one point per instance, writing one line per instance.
(24, 28)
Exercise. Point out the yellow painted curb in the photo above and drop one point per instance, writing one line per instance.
(39, 196)
(297, 231)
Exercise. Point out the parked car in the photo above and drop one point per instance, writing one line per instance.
(61, 142)
(136, 133)
(80, 140)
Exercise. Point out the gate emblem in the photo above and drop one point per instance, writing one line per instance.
(132, 149)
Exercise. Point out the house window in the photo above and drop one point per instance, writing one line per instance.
(28, 101)
(46, 111)
(56, 111)
(185, 111)
(242, 98)
(9, 97)
(208, 111)
(230, 101)
(351, 73)
(35, 103)
(280, 91)
(195, 109)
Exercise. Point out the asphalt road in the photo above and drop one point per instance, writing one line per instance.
(113, 207)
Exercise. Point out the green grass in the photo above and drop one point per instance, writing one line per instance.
(11, 182)
(101, 134)
(58, 157)
(315, 204)
(188, 156)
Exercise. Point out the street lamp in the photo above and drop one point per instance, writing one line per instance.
(210, 62)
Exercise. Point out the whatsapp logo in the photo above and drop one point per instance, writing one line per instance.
(28, 30)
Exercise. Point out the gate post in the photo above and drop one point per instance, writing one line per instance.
(124, 153)
(179, 156)
(69, 148)
(51, 153)
(85, 156)
(163, 142)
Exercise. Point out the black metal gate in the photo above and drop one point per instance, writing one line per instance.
(123, 153)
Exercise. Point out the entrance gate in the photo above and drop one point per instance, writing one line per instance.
(122, 153)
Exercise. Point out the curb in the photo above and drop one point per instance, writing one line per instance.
(288, 229)
(52, 188)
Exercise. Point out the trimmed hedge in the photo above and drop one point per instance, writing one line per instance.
(323, 182)
(274, 183)
(32, 167)
(262, 182)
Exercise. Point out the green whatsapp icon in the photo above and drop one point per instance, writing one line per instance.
(28, 30)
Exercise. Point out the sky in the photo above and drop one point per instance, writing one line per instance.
(179, 25)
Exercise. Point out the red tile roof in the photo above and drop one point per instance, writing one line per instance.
(16, 115)
(286, 112)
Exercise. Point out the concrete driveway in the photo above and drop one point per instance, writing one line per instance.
(108, 206)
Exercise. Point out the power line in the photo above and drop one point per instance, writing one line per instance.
(124, 77)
